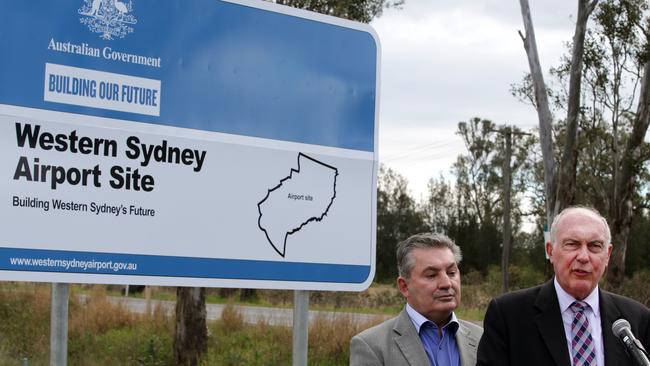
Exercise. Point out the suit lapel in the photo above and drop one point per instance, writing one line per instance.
(467, 344)
(550, 326)
(609, 313)
(408, 341)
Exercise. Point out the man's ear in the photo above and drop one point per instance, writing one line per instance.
(403, 286)
(610, 247)
(549, 251)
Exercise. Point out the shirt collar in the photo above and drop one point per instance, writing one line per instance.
(566, 300)
(419, 319)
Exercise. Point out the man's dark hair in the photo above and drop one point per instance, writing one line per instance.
(405, 261)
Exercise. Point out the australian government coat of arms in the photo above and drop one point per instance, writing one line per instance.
(110, 18)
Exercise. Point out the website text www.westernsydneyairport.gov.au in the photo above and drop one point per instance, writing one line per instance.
(73, 264)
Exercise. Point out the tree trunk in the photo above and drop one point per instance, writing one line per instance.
(190, 336)
(543, 111)
(567, 174)
(626, 179)
(560, 194)
(507, 228)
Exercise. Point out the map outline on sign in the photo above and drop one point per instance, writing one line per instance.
(294, 230)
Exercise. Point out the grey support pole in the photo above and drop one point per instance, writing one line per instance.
(59, 325)
(300, 327)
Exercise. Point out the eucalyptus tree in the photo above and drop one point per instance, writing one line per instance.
(481, 206)
(559, 184)
(359, 10)
(613, 115)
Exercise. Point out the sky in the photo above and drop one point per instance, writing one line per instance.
(443, 62)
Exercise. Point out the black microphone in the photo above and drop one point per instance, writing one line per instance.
(622, 330)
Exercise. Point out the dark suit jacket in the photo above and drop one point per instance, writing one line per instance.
(525, 328)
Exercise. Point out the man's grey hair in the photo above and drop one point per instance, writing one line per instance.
(561, 215)
(405, 261)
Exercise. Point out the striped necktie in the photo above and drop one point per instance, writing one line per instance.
(582, 345)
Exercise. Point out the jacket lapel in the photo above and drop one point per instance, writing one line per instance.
(609, 313)
(467, 345)
(408, 341)
(550, 326)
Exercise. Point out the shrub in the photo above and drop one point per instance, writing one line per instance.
(637, 287)
(232, 320)
(25, 326)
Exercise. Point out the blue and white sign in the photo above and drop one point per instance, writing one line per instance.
(187, 143)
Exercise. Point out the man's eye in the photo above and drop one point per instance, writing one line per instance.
(571, 245)
(596, 247)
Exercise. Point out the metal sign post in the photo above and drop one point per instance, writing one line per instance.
(300, 327)
(59, 324)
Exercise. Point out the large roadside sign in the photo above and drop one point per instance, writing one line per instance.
(187, 143)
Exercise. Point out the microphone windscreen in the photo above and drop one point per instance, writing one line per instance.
(619, 326)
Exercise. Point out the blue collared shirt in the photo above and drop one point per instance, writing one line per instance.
(441, 350)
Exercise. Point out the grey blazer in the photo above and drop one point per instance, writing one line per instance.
(395, 342)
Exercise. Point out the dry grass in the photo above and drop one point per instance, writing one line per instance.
(104, 333)
(329, 338)
(24, 330)
(233, 342)
(99, 332)
(232, 319)
(97, 314)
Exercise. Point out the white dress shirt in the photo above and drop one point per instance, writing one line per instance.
(593, 315)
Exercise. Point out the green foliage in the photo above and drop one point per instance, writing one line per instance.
(520, 277)
(359, 10)
(232, 342)
(479, 173)
(638, 249)
(479, 243)
(637, 287)
(440, 209)
(615, 49)
(397, 218)
(140, 345)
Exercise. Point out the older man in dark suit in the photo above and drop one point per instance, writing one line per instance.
(568, 320)
(427, 331)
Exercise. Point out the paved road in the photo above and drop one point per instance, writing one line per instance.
(252, 314)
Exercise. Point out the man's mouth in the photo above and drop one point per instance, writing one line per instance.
(581, 272)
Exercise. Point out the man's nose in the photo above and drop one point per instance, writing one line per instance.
(445, 281)
(583, 253)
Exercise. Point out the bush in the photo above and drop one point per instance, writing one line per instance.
(232, 319)
(637, 287)
(520, 277)
(25, 325)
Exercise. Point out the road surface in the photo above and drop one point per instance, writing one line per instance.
(252, 314)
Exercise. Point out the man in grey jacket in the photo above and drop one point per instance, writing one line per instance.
(427, 331)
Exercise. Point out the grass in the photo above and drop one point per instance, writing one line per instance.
(102, 332)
